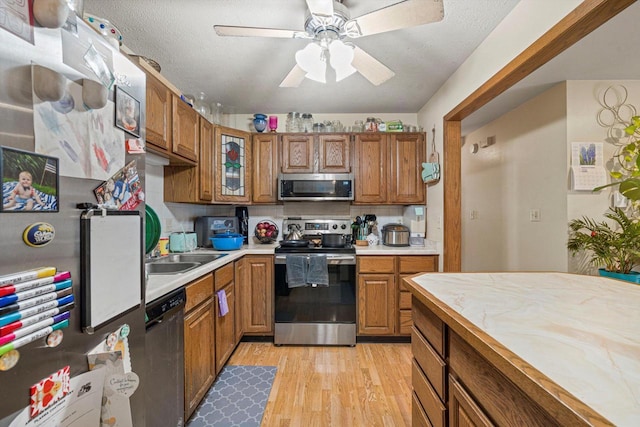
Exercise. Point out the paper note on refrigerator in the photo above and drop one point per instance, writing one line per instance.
(79, 408)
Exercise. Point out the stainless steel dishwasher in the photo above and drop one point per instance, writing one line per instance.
(164, 391)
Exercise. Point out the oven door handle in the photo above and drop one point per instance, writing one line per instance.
(334, 259)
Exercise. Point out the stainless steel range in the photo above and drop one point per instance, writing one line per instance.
(315, 284)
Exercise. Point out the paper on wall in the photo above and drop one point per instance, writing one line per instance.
(587, 165)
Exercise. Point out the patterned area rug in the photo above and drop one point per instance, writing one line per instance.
(237, 398)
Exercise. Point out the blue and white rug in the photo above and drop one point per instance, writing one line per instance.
(237, 398)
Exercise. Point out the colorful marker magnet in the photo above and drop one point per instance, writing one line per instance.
(38, 234)
(112, 339)
(9, 360)
(55, 338)
(124, 330)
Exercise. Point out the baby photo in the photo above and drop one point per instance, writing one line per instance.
(29, 181)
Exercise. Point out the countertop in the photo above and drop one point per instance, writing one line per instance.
(161, 284)
(581, 332)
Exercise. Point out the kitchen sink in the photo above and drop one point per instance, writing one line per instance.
(180, 258)
(170, 267)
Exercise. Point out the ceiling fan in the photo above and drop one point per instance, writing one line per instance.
(328, 23)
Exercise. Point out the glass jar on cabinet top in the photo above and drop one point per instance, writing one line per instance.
(201, 105)
(307, 122)
(294, 122)
(371, 125)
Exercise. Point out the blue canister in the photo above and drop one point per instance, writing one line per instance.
(260, 122)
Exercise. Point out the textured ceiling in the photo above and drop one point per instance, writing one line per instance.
(244, 73)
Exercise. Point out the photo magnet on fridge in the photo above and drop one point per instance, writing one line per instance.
(29, 181)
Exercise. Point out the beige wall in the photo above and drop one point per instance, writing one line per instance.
(524, 170)
(527, 21)
(529, 168)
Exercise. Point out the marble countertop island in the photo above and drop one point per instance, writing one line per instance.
(576, 337)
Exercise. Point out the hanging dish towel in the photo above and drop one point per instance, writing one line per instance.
(318, 273)
(296, 271)
(431, 170)
(222, 303)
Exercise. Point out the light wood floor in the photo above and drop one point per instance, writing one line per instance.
(365, 385)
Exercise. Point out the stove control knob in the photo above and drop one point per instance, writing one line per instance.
(343, 226)
(334, 226)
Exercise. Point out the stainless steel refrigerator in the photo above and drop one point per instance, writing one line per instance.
(79, 54)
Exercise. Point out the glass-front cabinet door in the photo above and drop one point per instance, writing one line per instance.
(232, 165)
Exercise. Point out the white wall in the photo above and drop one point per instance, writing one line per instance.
(525, 169)
(526, 23)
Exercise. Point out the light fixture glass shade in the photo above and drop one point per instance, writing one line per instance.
(341, 59)
(311, 60)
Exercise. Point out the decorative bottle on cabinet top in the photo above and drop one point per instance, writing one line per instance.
(260, 122)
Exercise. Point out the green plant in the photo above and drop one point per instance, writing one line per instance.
(617, 249)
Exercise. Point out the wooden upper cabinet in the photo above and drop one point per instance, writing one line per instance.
(297, 153)
(265, 168)
(333, 153)
(186, 130)
(205, 162)
(232, 165)
(158, 110)
(370, 168)
(407, 153)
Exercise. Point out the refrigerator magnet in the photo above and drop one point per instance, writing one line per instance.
(30, 181)
(124, 331)
(55, 338)
(9, 360)
(112, 340)
(38, 234)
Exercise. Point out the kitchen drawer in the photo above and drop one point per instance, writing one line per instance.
(223, 276)
(417, 263)
(198, 291)
(376, 264)
(432, 365)
(418, 416)
(404, 301)
(428, 398)
(431, 327)
(405, 322)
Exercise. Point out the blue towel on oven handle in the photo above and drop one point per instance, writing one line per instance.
(296, 271)
(318, 272)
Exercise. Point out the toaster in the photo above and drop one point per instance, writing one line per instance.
(182, 242)
(208, 226)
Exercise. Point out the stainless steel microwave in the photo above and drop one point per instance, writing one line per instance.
(297, 187)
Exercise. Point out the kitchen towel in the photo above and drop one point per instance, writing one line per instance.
(318, 273)
(296, 271)
(222, 303)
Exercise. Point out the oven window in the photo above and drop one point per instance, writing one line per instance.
(335, 303)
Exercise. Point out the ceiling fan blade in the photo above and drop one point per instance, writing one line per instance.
(321, 8)
(228, 30)
(372, 69)
(409, 13)
(294, 78)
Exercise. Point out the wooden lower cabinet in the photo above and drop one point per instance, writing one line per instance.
(384, 303)
(376, 304)
(225, 328)
(456, 386)
(240, 275)
(257, 295)
(199, 342)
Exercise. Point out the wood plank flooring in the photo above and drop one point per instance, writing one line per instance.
(365, 385)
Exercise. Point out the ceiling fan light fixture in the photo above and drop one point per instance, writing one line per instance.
(311, 59)
(341, 57)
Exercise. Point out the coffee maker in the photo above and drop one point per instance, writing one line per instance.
(242, 213)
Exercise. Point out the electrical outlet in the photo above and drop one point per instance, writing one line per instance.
(534, 215)
(439, 222)
(473, 214)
